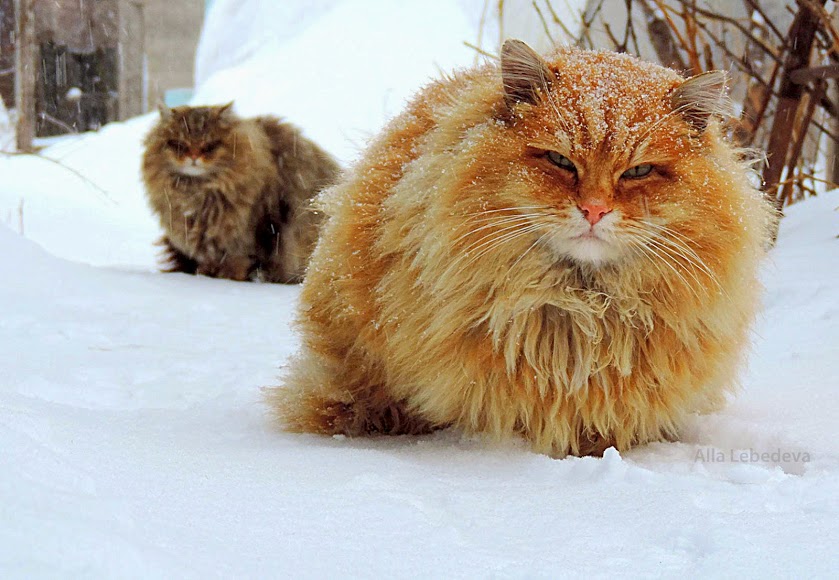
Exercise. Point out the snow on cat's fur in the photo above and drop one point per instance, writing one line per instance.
(564, 250)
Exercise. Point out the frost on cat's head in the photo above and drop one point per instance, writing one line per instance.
(606, 100)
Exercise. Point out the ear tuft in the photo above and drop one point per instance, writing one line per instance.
(524, 73)
(165, 111)
(225, 110)
(701, 97)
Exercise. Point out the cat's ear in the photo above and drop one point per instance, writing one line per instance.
(165, 111)
(702, 97)
(524, 73)
(225, 110)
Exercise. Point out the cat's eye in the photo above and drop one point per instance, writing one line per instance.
(562, 161)
(637, 171)
(209, 148)
(176, 145)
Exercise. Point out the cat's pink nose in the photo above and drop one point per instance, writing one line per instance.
(594, 212)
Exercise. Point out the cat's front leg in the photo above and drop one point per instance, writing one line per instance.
(237, 268)
(174, 260)
(209, 269)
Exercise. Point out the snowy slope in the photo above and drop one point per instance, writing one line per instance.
(135, 443)
(82, 198)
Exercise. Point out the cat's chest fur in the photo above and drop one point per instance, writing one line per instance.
(578, 338)
(206, 219)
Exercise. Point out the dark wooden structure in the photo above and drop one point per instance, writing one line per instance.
(78, 64)
(7, 52)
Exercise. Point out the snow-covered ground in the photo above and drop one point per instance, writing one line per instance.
(134, 442)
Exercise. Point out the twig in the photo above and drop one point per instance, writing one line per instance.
(544, 22)
(557, 21)
(764, 105)
(661, 37)
(480, 50)
(75, 172)
(482, 26)
(798, 144)
(728, 20)
(803, 76)
(802, 32)
(58, 123)
(616, 45)
(500, 22)
(756, 7)
(587, 21)
(819, 179)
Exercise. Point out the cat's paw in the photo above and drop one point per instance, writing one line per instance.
(238, 268)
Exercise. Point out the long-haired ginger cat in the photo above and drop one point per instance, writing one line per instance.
(564, 250)
(233, 194)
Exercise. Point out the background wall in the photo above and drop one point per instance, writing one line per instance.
(172, 31)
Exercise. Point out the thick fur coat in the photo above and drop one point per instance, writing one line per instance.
(233, 195)
(564, 250)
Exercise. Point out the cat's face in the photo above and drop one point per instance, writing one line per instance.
(607, 157)
(195, 141)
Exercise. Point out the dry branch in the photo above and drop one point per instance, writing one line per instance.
(801, 35)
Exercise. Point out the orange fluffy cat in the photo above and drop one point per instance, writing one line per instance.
(564, 250)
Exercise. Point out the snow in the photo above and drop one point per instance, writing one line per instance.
(344, 95)
(135, 442)
(7, 129)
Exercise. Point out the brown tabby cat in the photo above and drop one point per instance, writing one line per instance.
(563, 250)
(232, 194)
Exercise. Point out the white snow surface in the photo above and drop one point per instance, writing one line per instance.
(135, 443)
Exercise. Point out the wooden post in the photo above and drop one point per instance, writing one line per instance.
(132, 97)
(833, 146)
(802, 32)
(26, 71)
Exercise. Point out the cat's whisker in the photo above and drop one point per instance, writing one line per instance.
(505, 234)
(697, 263)
(674, 255)
(677, 255)
(640, 249)
(686, 252)
(527, 251)
(682, 244)
(641, 142)
(669, 263)
(476, 252)
(508, 228)
(646, 205)
(683, 240)
(168, 203)
(651, 244)
(498, 245)
(671, 237)
(511, 209)
(498, 222)
(502, 219)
